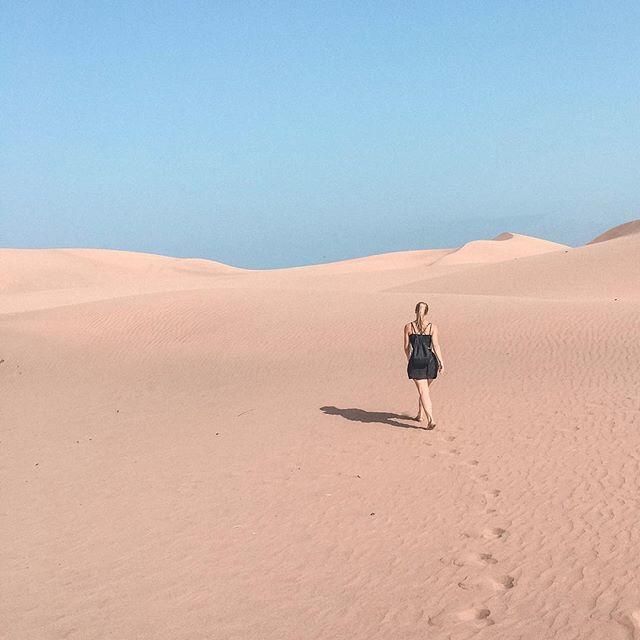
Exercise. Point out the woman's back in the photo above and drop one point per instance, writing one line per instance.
(420, 343)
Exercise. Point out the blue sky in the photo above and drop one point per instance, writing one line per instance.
(271, 134)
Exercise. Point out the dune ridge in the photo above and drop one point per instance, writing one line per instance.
(36, 269)
(605, 270)
(621, 230)
(505, 246)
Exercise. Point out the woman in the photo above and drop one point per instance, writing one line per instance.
(425, 359)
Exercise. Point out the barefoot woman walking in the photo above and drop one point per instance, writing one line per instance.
(425, 361)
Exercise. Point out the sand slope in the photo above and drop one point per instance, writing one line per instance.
(625, 229)
(233, 458)
(41, 278)
(603, 270)
(505, 246)
(33, 269)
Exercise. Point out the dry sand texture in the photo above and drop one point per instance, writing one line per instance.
(192, 451)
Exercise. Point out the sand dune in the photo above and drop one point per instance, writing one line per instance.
(42, 278)
(628, 228)
(505, 246)
(34, 269)
(605, 270)
(203, 452)
(381, 262)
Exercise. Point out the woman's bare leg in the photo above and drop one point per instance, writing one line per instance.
(424, 399)
(430, 381)
(420, 415)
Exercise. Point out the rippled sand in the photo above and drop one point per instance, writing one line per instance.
(195, 451)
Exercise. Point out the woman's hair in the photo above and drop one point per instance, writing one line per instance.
(422, 309)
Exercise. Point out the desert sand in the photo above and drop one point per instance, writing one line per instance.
(196, 451)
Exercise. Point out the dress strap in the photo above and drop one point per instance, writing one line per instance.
(415, 329)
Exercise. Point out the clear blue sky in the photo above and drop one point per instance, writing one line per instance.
(267, 134)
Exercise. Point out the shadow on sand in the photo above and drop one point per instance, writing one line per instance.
(382, 417)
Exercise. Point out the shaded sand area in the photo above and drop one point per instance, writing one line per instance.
(194, 451)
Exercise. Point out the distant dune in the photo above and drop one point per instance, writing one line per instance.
(37, 269)
(599, 270)
(390, 261)
(197, 451)
(628, 228)
(505, 246)
(41, 278)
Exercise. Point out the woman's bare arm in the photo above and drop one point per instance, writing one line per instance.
(407, 344)
(436, 344)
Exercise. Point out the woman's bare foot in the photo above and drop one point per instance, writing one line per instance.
(427, 418)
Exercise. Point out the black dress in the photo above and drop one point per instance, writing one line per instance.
(423, 362)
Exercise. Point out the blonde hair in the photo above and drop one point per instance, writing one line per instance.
(422, 308)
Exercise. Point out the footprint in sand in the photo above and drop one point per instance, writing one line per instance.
(485, 503)
(450, 438)
(475, 559)
(635, 619)
(476, 614)
(502, 583)
(491, 533)
(494, 493)
(631, 622)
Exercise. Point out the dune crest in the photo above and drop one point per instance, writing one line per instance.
(621, 230)
(43, 278)
(37, 269)
(601, 270)
(505, 246)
